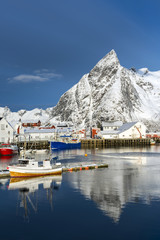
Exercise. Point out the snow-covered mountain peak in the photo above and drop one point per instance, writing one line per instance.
(104, 70)
(108, 60)
(109, 92)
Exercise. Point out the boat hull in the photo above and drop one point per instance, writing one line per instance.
(27, 173)
(63, 145)
(6, 152)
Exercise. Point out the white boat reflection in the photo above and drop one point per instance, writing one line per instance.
(32, 184)
(29, 188)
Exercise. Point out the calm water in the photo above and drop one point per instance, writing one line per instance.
(121, 202)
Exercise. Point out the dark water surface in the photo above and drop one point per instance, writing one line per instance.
(121, 202)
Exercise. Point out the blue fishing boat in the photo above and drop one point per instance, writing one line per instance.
(66, 142)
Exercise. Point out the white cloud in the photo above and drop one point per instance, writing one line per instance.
(37, 76)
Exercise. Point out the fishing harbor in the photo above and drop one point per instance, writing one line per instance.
(108, 192)
(90, 143)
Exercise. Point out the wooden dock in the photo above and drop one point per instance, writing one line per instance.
(34, 145)
(106, 143)
(91, 143)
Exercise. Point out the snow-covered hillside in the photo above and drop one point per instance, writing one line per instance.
(35, 114)
(108, 92)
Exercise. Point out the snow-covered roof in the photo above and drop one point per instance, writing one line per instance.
(126, 126)
(108, 132)
(6, 121)
(121, 129)
(153, 133)
(112, 124)
(36, 130)
(13, 123)
(30, 121)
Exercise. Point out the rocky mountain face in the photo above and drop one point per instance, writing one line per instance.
(108, 92)
(112, 92)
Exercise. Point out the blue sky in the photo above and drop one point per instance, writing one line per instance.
(46, 46)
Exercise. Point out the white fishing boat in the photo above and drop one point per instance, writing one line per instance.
(28, 167)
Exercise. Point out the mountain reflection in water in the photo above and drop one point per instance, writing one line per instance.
(130, 177)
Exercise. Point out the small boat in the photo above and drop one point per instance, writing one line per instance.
(28, 167)
(152, 142)
(65, 142)
(8, 149)
(40, 151)
(62, 145)
(4, 173)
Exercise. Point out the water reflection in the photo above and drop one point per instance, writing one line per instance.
(131, 177)
(29, 188)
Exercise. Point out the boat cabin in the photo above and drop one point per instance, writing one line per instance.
(31, 163)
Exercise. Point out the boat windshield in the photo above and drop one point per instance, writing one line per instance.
(24, 162)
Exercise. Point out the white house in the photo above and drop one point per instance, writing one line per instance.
(132, 130)
(112, 125)
(127, 130)
(36, 134)
(6, 131)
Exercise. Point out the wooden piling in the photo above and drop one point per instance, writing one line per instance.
(106, 143)
(34, 145)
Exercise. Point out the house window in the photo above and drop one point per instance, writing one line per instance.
(2, 127)
(2, 139)
(6, 126)
(8, 132)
